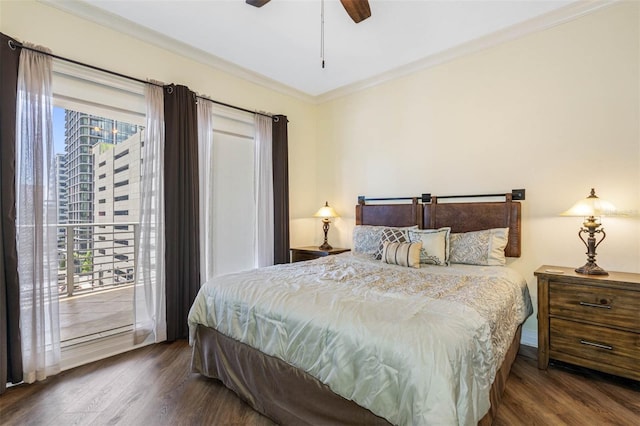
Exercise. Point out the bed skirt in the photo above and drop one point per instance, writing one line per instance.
(290, 396)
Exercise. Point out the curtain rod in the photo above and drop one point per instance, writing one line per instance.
(13, 44)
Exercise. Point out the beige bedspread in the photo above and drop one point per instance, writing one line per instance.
(415, 346)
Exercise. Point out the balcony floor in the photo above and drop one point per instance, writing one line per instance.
(90, 316)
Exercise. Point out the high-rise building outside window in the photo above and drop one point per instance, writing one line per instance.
(82, 132)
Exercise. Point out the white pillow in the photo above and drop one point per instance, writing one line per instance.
(435, 245)
(480, 247)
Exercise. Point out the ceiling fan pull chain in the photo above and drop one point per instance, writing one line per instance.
(322, 32)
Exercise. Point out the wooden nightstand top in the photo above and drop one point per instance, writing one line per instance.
(318, 251)
(299, 254)
(570, 274)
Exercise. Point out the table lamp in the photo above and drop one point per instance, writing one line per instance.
(326, 213)
(591, 208)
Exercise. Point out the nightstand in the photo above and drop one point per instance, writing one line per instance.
(300, 254)
(589, 320)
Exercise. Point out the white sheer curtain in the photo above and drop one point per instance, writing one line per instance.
(264, 191)
(149, 295)
(36, 202)
(205, 160)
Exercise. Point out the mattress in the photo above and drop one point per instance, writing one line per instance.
(413, 346)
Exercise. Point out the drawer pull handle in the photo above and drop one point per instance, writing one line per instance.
(595, 305)
(597, 345)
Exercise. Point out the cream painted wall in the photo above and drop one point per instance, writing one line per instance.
(556, 112)
(79, 39)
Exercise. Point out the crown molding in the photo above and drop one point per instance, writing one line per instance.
(539, 23)
(122, 25)
(117, 23)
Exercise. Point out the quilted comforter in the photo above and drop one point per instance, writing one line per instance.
(415, 346)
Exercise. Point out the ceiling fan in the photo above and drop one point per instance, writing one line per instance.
(358, 10)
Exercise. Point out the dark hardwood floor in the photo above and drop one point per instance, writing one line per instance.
(566, 395)
(153, 386)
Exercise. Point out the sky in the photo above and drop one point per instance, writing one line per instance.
(58, 129)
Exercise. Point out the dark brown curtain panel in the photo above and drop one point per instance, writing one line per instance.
(280, 162)
(10, 347)
(181, 207)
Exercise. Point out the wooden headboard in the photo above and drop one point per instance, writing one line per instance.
(389, 214)
(427, 213)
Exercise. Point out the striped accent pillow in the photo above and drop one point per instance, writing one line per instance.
(403, 254)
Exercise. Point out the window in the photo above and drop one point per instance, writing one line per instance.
(87, 105)
(121, 227)
(122, 242)
(121, 198)
(121, 183)
(122, 154)
(121, 257)
(121, 169)
(121, 213)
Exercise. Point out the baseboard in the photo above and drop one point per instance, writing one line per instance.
(529, 338)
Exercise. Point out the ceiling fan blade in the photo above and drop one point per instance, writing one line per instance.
(358, 9)
(257, 3)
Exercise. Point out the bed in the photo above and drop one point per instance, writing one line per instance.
(349, 339)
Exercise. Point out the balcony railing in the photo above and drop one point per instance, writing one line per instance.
(95, 256)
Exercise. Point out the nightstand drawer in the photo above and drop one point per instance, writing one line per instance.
(606, 306)
(600, 345)
(302, 256)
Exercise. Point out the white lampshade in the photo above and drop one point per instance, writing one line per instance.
(591, 206)
(326, 212)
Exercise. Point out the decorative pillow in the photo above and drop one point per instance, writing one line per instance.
(392, 235)
(403, 254)
(366, 238)
(480, 247)
(435, 245)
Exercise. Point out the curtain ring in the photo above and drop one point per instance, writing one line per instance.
(276, 118)
(11, 44)
(170, 89)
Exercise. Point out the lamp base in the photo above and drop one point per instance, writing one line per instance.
(325, 246)
(590, 268)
